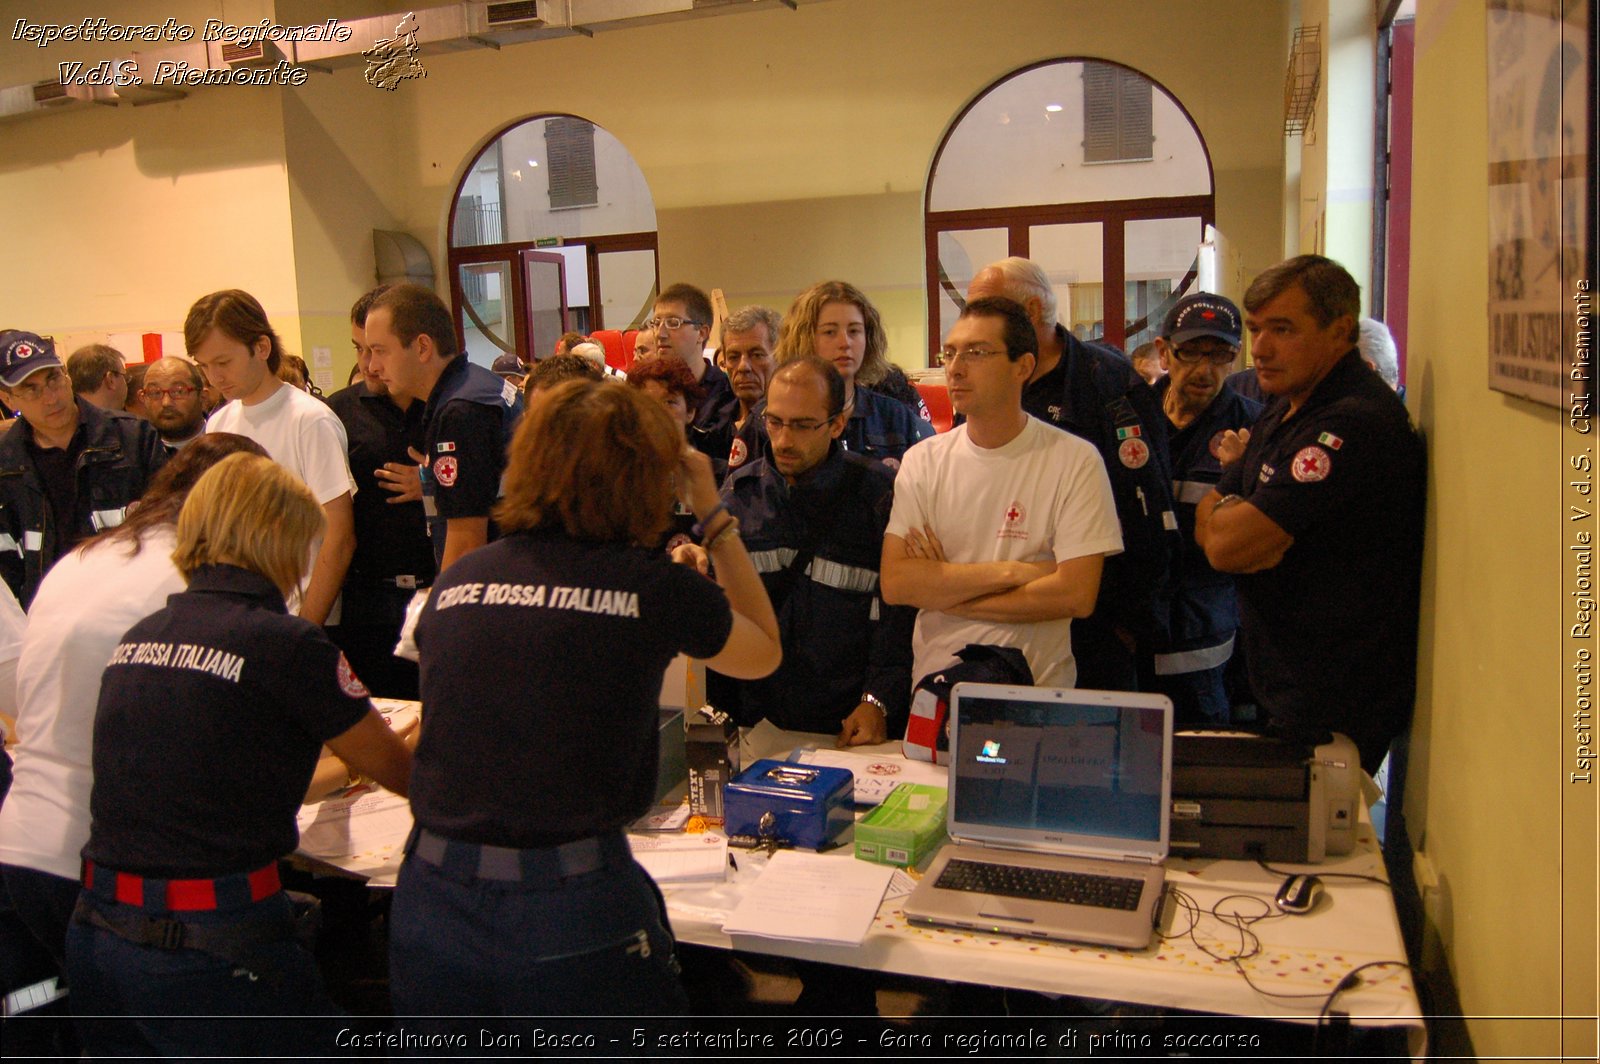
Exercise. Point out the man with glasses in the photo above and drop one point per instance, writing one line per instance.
(1198, 343)
(749, 338)
(172, 394)
(682, 326)
(1092, 392)
(812, 516)
(1001, 526)
(67, 468)
(99, 375)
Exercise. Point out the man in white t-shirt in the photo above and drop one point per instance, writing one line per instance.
(1000, 527)
(229, 338)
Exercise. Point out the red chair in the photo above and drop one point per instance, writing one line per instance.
(938, 399)
(630, 344)
(619, 351)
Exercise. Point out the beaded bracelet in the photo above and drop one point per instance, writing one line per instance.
(698, 531)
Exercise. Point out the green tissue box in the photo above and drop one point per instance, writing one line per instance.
(905, 828)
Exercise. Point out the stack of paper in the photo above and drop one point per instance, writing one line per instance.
(812, 898)
(676, 858)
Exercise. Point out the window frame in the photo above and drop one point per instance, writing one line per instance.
(1111, 214)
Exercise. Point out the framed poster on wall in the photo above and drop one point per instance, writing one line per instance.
(1541, 193)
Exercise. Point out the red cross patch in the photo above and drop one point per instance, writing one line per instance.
(737, 454)
(1015, 513)
(1134, 453)
(1311, 464)
(349, 682)
(445, 470)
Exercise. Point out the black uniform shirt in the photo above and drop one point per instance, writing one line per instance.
(817, 545)
(466, 446)
(58, 472)
(391, 539)
(212, 713)
(1204, 606)
(542, 659)
(1093, 393)
(1330, 632)
(711, 431)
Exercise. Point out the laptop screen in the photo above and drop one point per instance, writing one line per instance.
(1037, 767)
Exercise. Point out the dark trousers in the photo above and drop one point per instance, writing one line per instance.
(44, 904)
(596, 944)
(1104, 662)
(142, 1000)
(1198, 698)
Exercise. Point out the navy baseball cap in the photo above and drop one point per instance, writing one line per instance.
(22, 354)
(1203, 315)
(509, 363)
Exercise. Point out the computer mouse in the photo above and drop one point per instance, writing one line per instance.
(1299, 894)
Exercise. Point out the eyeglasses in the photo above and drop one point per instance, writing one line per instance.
(671, 321)
(802, 425)
(1191, 354)
(53, 380)
(180, 392)
(949, 355)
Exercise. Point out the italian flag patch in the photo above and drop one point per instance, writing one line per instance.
(1328, 439)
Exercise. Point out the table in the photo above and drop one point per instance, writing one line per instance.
(1354, 924)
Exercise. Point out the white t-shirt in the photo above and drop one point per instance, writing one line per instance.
(1043, 496)
(85, 605)
(300, 433)
(13, 623)
(304, 436)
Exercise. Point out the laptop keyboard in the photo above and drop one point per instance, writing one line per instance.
(1040, 884)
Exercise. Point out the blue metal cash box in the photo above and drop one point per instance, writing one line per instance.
(807, 806)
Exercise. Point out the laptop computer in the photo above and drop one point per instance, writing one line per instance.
(1058, 815)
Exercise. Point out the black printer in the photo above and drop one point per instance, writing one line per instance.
(1252, 797)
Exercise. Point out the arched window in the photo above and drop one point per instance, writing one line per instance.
(1086, 167)
(552, 228)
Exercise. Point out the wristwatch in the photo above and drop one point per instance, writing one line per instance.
(875, 701)
(1227, 500)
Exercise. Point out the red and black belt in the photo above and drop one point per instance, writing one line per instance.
(182, 895)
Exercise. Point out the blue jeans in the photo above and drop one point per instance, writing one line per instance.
(594, 944)
(133, 999)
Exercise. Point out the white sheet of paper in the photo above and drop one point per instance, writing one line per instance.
(361, 832)
(812, 898)
(877, 775)
(681, 858)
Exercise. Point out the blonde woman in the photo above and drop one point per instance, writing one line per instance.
(212, 713)
(836, 322)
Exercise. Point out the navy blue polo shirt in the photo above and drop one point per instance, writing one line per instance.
(212, 714)
(391, 538)
(1330, 632)
(542, 658)
(468, 424)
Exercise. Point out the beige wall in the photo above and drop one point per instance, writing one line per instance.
(117, 219)
(1334, 179)
(1488, 764)
(342, 184)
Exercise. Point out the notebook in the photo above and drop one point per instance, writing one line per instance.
(1045, 782)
